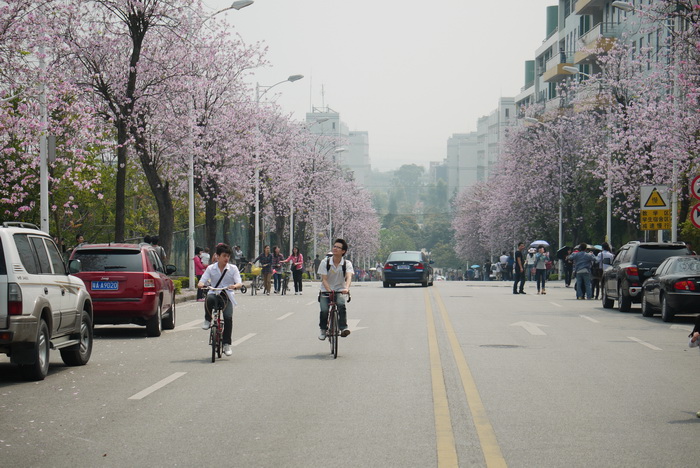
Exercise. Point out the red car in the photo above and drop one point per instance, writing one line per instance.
(128, 284)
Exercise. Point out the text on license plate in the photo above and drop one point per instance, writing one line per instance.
(403, 267)
(105, 285)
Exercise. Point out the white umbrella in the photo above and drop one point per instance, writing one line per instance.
(538, 243)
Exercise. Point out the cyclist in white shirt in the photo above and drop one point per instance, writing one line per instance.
(336, 275)
(221, 274)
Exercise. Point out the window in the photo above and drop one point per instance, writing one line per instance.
(621, 255)
(109, 260)
(26, 253)
(59, 268)
(3, 267)
(154, 260)
(44, 263)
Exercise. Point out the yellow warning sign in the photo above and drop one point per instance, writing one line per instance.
(655, 200)
(654, 220)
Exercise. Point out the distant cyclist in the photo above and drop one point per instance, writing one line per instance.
(336, 275)
(221, 275)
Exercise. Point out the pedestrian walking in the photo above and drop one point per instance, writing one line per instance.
(519, 270)
(541, 259)
(583, 260)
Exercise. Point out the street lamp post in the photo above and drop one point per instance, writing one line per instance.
(237, 5)
(43, 148)
(258, 96)
(561, 195)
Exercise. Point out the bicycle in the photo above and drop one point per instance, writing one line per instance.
(285, 280)
(256, 282)
(333, 327)
(216, 332)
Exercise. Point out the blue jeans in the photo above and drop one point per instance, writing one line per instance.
(277, 277)
(541, 275)
(583, 284)
(342, 312)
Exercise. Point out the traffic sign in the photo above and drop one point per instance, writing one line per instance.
(655, 212)
(654, 197)
(695, 215)
(654, 220)
(695, 187)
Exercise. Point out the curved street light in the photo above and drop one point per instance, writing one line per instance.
(258, 96)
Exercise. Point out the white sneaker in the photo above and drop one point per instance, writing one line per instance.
(206, 325)
(227, 350)
(322, 336)
(296, 293)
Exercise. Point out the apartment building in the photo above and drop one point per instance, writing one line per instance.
(576, 31)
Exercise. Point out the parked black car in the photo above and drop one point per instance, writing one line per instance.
(408, 266)
(631, 267)
(674, 288)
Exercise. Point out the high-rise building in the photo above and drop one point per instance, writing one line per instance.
(349, 148)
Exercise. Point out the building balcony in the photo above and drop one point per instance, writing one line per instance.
(599, 39)
(588, 7)
(554, 69)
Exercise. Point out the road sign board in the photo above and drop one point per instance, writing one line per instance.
(695, 215)
(655, 212)
(654, 220)
(695, 187)
(654, 197)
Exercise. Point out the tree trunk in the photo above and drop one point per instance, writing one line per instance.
(227, 228)
(120, 193)
(160, 190)
(210, 224)
(251, 233)
(300, 238)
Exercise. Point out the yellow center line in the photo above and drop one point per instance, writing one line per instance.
(487, 437)
(446, 450)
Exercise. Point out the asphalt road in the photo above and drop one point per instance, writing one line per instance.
(460, 374)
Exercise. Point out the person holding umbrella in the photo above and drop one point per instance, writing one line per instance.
(519, 270)
(541, 259)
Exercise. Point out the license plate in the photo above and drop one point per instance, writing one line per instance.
(403, 267)
(105, 285)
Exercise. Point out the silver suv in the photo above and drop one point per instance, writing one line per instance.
(41, 305)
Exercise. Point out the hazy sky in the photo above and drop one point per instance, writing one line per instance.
(409, 72)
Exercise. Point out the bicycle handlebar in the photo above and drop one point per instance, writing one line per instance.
(209, 288)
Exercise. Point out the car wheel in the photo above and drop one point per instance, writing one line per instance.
(79, 354)
(155, 323)
(646, 308)
(667, 312)
(624, 303)
(169, 320)
(40, 352)
(424, 284)
(393, 285)
(385, 284)
(607, 302)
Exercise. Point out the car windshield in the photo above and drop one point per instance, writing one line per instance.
(404, 257)
(649, 255)
(690, 265)
(109, 260)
